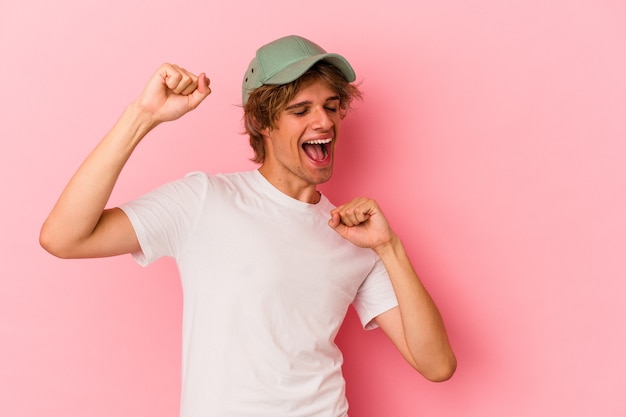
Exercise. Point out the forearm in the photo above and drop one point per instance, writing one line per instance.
(423, 327)
(81, 204)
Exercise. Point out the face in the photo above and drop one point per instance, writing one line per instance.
(300, 149)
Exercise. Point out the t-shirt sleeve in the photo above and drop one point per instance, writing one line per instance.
(163, 218)
(375, 296)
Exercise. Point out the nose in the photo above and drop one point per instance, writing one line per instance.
(321, 119)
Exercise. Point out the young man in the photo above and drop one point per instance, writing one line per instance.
(268, 265)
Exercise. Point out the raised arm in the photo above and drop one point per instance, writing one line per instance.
(415, 326)
(79, 226)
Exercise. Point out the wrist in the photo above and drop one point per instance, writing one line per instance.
(141, 117)
(136, 122)
(392, 246)
(131, 127)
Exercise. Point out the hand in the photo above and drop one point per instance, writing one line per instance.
(362, 222)
(173, 91)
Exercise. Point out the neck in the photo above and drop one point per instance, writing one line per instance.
(306, 193)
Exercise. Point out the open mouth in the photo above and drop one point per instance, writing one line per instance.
(317, 150)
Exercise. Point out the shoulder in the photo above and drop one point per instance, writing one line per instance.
(203, 187)
(232, 179)
(203, 182)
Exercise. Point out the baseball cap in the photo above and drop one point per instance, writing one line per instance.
(285, 60)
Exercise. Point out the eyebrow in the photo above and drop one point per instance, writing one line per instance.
(307, 103)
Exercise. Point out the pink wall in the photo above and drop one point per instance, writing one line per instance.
(493, 135)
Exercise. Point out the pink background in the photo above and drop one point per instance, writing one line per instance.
(492, 134)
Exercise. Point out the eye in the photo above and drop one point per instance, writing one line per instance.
(333, 105)
(300, 112)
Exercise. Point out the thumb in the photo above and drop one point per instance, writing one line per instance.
(201, 92)
(335, 223)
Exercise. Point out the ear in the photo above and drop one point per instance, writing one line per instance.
(266, 132)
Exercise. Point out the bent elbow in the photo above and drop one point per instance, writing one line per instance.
(442, 375)
(442, 372)
(50, 242)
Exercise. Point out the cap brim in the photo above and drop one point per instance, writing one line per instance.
(297, 69)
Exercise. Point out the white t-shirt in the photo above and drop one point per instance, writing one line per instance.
(266, 285)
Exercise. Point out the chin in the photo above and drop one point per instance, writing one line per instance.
(324, 177)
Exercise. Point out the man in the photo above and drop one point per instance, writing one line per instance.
(268, 265)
